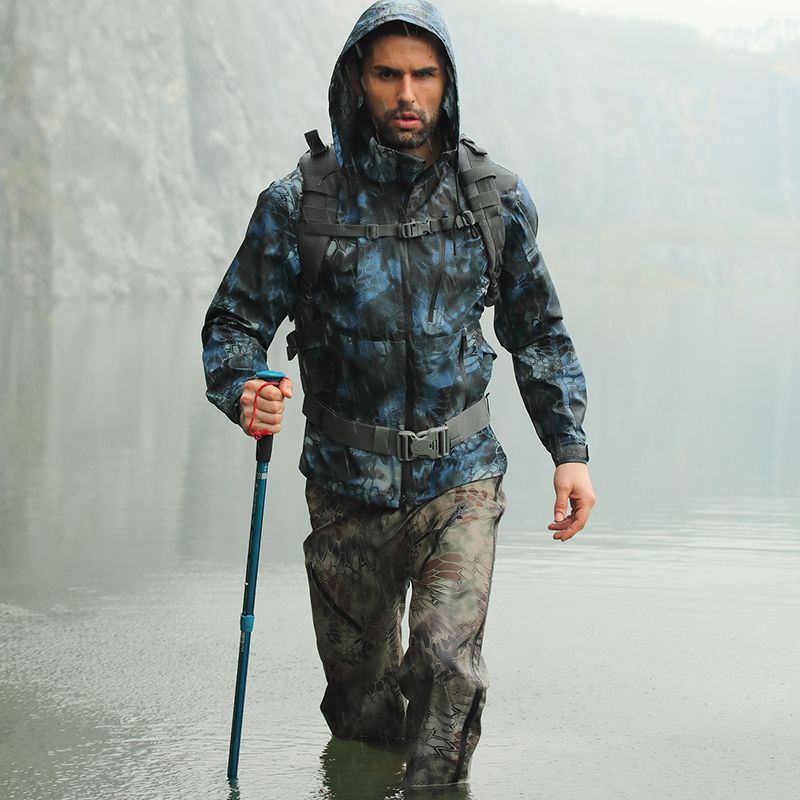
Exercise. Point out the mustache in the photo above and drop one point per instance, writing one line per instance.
(401, 111)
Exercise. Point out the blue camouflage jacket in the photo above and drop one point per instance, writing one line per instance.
(397, 339)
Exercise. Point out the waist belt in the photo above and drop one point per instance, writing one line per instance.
(405, 445)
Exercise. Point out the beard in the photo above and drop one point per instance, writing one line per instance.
(397, 139)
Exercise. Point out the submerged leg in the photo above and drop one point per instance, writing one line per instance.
(443, 674)
(356, 573)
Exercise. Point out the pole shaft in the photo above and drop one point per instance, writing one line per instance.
(248, 606)
(263, 455)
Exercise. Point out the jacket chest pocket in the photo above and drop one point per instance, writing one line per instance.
(339, 271)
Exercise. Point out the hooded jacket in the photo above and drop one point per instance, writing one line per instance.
(396, 339)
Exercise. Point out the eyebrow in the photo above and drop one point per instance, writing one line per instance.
(387, 68)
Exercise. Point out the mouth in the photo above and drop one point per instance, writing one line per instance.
(406, 121)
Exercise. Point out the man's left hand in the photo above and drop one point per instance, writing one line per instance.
(573, 489)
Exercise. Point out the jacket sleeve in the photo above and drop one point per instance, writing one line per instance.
(257, 293)
(528, 323)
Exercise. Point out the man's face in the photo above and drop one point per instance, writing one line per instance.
(403, 82)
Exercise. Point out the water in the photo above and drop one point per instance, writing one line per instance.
(653, 656)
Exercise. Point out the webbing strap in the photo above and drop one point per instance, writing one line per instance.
(490, 199)
(320, 203)
(476, 173)
(315, 143)
(478, 176)
(315, 225)
(405, 445)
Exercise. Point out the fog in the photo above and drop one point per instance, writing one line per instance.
(137, 139)
(707, 16)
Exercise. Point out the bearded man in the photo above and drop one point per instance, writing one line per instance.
(386, 249)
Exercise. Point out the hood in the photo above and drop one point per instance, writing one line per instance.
(351, 137)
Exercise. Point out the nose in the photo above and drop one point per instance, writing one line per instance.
(406, 94)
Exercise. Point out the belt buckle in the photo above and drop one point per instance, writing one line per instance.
(432, 443)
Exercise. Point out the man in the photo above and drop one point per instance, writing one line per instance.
(403, 471)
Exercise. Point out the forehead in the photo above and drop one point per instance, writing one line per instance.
(409, 52)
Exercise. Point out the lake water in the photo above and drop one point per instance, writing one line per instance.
(656, 655)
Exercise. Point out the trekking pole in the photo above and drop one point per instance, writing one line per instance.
(263, 453)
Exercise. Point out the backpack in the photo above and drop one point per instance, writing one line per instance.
(318, 217)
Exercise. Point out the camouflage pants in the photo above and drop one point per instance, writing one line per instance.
(360, 560)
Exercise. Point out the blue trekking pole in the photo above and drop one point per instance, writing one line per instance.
(263, 453)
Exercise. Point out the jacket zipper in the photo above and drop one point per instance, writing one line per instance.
(439, 276)
(462, 350)
(408, 315)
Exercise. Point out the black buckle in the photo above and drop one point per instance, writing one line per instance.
(410, 230)
(466, 219)
(432, 443)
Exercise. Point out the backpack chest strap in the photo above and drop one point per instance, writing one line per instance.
(316, 226)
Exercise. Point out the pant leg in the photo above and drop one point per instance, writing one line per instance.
(443, 675)
(357, 581)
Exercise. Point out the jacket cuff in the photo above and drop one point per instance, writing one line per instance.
(571, 453)
(233, 408)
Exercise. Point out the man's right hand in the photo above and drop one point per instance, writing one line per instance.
(269, 406)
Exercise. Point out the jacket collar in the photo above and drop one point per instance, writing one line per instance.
(384, 164)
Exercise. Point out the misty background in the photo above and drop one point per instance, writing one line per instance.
(135, 138)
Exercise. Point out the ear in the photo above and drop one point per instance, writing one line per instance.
(355, 78)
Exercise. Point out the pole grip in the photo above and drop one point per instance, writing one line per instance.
(264, 448)
(270, 376)
(264, 444)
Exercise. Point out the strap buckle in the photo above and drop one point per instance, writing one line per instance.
(466, 219)
(432, 443)
(414, 228)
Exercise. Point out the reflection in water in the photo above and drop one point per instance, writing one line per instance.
(361, 771)
(630, 662)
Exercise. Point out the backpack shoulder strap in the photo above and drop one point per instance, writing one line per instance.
(320, 170)
(479, 179)
(322, 179)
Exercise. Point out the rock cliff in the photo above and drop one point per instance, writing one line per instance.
(135, 137)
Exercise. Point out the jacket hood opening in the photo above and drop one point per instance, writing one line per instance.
(352, 128)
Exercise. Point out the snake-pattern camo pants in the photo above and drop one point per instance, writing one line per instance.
(361, 559)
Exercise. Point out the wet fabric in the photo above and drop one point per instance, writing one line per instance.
(395, 338)
(361, 560)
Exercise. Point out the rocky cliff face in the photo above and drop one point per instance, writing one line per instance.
(138, 135)
(135, 137)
